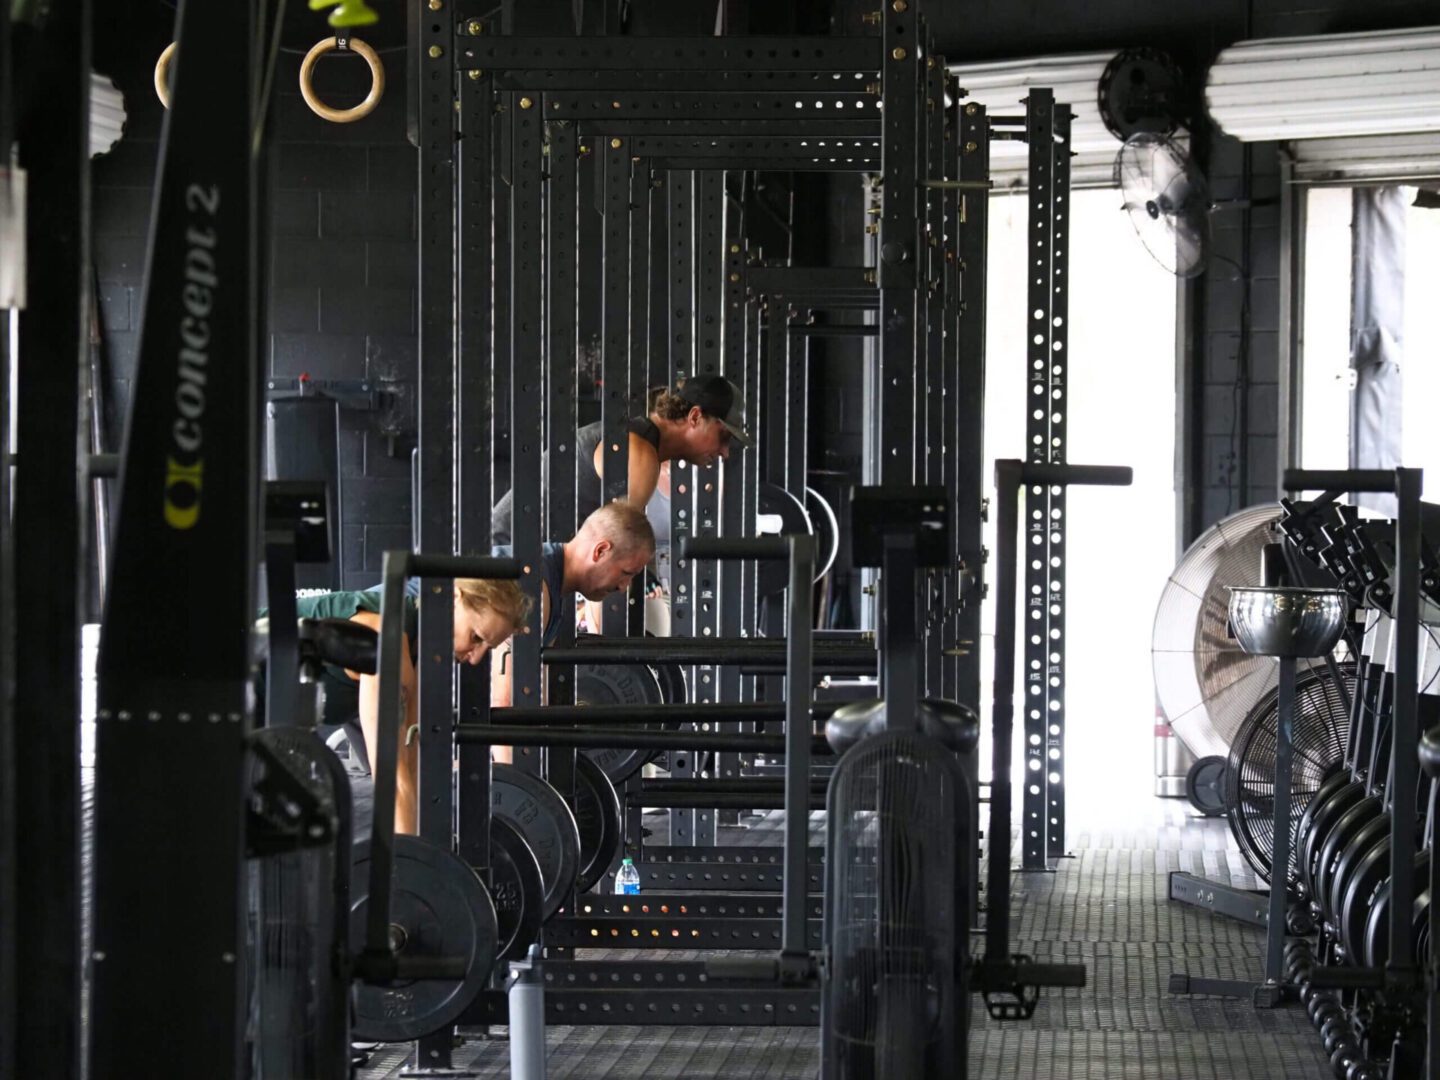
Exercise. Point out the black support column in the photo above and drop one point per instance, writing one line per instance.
(527, 282)
(968, 447)
(474, 429)
(1043, 815)
(173, 671)
(435, 493)
(42, 789)
(899, 214)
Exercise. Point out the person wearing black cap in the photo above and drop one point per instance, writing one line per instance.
(698, 421)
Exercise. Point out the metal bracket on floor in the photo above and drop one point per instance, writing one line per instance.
(1263, 995)
(1249, 906)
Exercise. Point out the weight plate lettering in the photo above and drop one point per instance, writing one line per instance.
(1350, 859)
(617, 684)
(598, 816)
(1357, 893)
(1350, 823)
(541, 816)
(517, 890)
(438, 907)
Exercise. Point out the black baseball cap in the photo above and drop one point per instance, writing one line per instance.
(717, 396)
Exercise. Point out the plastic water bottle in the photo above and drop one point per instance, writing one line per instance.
(627, 881)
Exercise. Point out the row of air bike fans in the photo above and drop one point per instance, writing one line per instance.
(1223, 704)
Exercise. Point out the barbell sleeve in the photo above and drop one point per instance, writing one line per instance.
(621, 739)
(732, 713)
(1087, 475)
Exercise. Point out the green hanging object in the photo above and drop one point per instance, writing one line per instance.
(347, 13)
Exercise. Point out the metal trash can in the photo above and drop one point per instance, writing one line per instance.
(1172, 760)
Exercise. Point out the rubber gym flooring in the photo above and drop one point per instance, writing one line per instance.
(1105, 907)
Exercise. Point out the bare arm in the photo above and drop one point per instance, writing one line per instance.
(407, 774)
(644, 469)
(502, 674)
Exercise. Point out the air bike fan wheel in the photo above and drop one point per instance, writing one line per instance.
(1322, 726)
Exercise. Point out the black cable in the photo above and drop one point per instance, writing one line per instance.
(261, 107)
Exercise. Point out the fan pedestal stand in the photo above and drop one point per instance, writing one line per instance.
(1248, 905)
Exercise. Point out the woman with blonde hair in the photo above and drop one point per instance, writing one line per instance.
(487, 612)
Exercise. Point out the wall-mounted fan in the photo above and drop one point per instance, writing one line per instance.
(1167, 200)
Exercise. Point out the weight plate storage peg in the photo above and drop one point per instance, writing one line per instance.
(438, 908)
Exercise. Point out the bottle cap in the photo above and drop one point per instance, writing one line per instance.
(627, 861)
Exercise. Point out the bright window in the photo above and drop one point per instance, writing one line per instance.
(1121, 541)
(1325, 418)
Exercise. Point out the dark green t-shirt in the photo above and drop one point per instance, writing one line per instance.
(342, 693)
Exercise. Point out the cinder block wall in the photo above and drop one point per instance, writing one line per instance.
(342, 235)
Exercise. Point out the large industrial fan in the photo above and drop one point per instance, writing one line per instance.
(1322, 726)
(1204, 684)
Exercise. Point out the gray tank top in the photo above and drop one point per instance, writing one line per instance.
(658, 511)
(588, 495)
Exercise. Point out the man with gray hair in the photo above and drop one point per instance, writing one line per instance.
(614, 544)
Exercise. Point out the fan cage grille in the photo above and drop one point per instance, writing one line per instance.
(1322, 728)
(897, 916)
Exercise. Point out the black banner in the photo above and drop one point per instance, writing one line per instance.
(180, 603)
(171, 724)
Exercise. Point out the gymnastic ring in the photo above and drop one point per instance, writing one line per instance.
(162, 74)
(342, 116)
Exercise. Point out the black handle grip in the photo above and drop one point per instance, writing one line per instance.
(461, 566)
(103, 466)
(749, 547)
(753, 968)
(1341, 978)
(1338, 480)
(1072, 475)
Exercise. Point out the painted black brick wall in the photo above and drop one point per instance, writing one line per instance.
(342, 231)
(342, 304)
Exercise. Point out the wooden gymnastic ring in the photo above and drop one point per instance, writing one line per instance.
(162, 74)
(342, 116)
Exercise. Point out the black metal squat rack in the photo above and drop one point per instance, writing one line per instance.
(656, 136)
